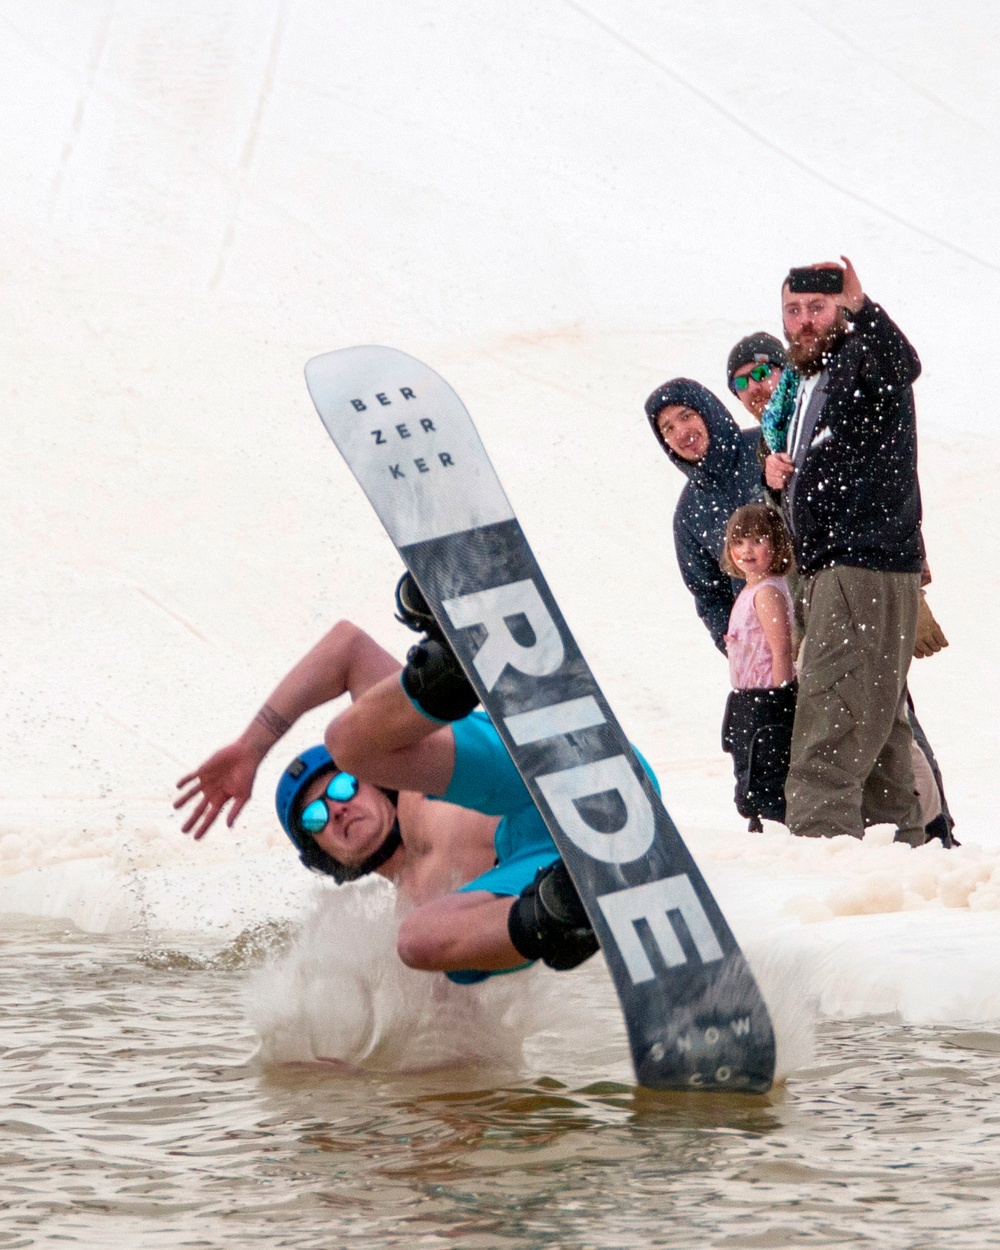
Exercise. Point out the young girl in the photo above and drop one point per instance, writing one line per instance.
(757, 729)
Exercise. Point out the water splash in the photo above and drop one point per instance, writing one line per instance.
(341, 994)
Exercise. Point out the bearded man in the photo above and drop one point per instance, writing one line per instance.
(851, 500)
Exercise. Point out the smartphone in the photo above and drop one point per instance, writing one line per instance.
(816, 281)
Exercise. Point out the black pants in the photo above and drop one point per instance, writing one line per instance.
(938, 828)
(757, 732)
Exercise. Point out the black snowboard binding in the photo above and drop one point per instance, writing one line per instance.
(433, 677)
(548, 921)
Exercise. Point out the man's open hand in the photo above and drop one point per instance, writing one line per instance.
(227, 776)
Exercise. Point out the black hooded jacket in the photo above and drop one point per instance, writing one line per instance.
(854, 497)
(728, 477)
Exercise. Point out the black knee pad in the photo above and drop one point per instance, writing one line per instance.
(548, 921)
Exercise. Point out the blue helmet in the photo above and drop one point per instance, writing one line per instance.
(299, 774)
(304, 769)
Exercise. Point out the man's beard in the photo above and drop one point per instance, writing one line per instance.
(811, 358)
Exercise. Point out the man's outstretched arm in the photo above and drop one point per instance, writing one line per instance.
(345, 661)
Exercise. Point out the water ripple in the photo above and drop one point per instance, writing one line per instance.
(135, 1113)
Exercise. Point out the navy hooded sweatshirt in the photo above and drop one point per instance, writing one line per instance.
(725, 479)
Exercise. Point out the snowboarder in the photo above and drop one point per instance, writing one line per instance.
(364, 802)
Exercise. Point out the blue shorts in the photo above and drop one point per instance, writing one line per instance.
(485, 780)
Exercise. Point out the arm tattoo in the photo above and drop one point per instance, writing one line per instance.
(272, 722)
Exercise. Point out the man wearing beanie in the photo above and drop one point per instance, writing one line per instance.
(753, 369)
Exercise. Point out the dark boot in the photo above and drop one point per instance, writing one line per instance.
(941, 827)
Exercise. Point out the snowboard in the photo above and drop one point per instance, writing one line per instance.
(694, 1013)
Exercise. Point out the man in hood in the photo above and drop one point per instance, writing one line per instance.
(720, 463)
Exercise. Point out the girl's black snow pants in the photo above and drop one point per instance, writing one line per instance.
(757, 732)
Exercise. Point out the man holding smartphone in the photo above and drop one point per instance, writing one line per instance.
(845, 460)
(753, 370)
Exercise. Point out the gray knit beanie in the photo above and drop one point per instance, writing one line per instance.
(755, 347)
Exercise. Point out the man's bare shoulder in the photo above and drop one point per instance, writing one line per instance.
(446, 846)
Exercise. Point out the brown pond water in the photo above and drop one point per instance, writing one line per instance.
(134, 1114)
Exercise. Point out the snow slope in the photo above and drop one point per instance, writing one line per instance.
(557, 206)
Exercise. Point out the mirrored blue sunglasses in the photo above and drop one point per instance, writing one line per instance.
(342, 788)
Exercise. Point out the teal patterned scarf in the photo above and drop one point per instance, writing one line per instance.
(780, 408)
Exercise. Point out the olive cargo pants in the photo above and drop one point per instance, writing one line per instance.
(851, 743)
